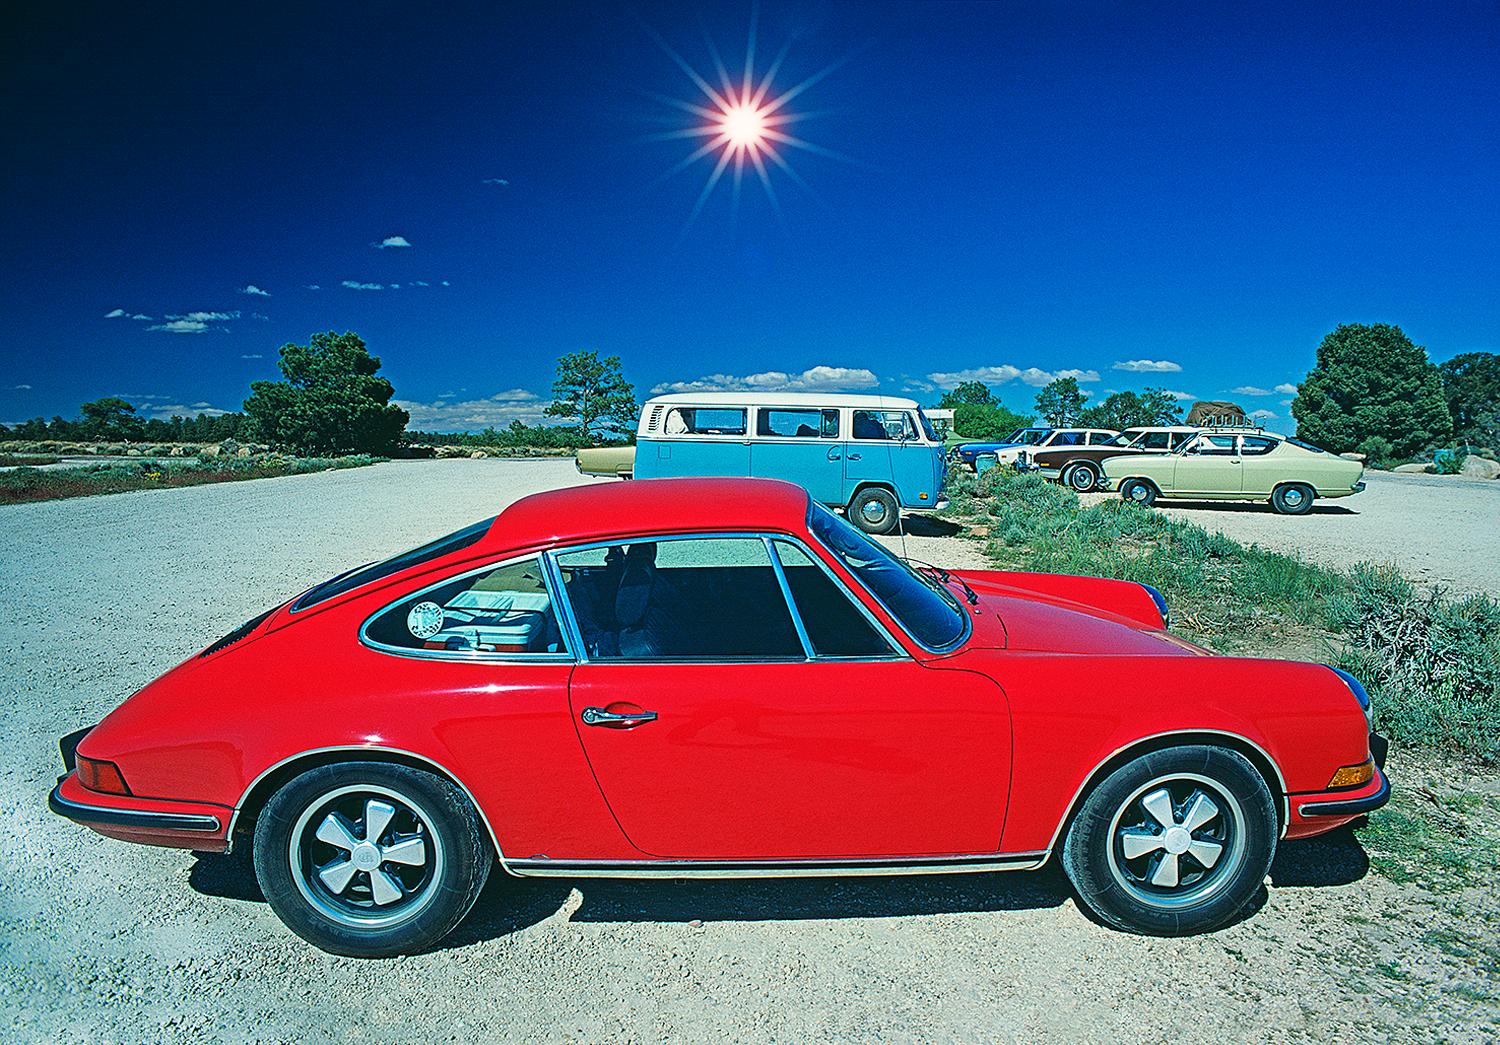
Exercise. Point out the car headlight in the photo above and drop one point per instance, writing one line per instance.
(1161, 605)
(1359, 694)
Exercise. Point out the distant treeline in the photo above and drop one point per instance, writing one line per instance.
(555, 437)
(106, 421)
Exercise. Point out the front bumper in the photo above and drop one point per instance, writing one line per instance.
(1366, 799)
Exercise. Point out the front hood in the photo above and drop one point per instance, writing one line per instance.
(1048, 624)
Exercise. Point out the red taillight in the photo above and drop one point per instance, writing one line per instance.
(104, 777)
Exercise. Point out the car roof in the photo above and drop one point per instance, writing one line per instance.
(610, 509)
(830, 399)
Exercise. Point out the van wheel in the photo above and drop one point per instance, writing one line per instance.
(1292, 499)
(1081, 477)
(1138, 491)
(874, 510)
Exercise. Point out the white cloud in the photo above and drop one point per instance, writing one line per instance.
(253, 355)
(115, 313)
(1149, 366)
(1179, 395)
(1261, 415)
(1251, 390)
(312, 286)
(1083, 377)
(392, 241)
(420, 283)
(168, 411)
(813, 379)
(141, 315)
(446, 283)
(193, 322)
(499, 410)
(20, 388)
(496, 181)
(1287, 390)
(254, 291)
(1005, 373)
(353, 285)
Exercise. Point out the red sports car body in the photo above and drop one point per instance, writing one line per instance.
(718, 677)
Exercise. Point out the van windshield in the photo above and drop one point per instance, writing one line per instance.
(932, 436)
(928, 611)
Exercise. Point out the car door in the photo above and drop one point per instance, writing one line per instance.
(800, 445)
(1210, 467)
(751, 733)
(1263, 467)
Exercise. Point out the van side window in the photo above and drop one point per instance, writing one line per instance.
(883, 424)
(702, 420)
(798, 424)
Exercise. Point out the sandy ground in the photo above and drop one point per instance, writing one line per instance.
(104, 941)
(1440, 530)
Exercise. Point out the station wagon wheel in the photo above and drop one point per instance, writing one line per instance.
(874, 510)
(1082, 477)
(1292, 499)
(370, 859)
(1138, 491)
(1177, 841)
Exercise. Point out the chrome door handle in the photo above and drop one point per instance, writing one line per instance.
(854, 457)
(834, 455)
(600, 717)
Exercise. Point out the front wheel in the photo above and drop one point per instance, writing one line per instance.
(874, 510)
(1138, 491)
(1082, 478)
(1292, 499)
(371, 859)
(1173, 843)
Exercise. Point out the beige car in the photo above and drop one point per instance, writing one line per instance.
(1236, 465)
(616, 462)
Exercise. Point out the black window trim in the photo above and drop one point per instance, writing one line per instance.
(809, 656)
(473, 655)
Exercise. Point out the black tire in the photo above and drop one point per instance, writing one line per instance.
(1293, 499)
(439, 860)
(1138, 491)
(1081, 477)
(874, 510)
(1115, 848)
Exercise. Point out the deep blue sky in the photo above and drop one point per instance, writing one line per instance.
(1057, 187)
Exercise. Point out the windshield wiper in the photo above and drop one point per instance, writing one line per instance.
(944, 576)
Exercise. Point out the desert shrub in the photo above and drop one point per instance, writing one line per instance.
(1431, 661)
(1450, 463)
(120, 476)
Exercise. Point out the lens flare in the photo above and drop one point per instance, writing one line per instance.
(745, 127)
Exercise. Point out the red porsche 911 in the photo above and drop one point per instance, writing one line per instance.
(717, 677)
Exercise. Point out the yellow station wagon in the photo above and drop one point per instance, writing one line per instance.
(1236, 465)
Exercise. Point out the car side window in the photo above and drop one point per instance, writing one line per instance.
(701, 420)
(883, 424)
(1155, 441)
(834, 625)
(1255, 445)
(798, 424)
(1068, 439)
(701, 598)
(1178, 438)
(504, 610)
(1215, 446)
(1101, 438)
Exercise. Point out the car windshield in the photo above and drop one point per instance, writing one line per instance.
(929, 612)
(374, 571)
(1027, 436)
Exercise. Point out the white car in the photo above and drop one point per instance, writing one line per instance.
(1056, 439)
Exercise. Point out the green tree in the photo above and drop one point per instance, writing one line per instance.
(986, 423)
(1060, 403)
(109, 418)
(594, 393)
(1122, 410)
(972, 393)
(1471, 384)
(1371, 380)
(331, 401)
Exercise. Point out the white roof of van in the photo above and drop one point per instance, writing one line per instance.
(812, 399)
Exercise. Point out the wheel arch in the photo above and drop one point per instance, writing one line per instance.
(274, 777)
(865, 484)
(1258, 757)
(1139, 479)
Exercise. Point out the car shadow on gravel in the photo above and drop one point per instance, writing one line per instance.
(1336, 858)
(927, 526)
(1251, 507)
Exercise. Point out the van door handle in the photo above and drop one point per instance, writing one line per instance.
(834, 454)
(854, 457)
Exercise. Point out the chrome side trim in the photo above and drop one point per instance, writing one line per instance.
(974, 864)
(239, 805)
(138, 818)
(1281, 798)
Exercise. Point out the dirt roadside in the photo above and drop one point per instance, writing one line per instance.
(104, 941)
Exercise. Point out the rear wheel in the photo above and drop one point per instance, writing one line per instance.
(1175, 842)
(1082, 477)
(370, 859)
(1138, 491)
(1292, 499)
(874, 510)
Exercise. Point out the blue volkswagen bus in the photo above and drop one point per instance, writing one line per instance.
(875, 456)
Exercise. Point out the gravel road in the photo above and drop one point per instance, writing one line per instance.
(104, 941)
(1439, 530)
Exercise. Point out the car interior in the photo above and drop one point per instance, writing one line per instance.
(507, 610)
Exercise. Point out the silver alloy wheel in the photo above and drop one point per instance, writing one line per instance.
(873, 511)
(1140, 492)
(366, 856)
(1293, 497)
(1176, 840)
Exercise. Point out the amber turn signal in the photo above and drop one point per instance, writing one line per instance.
(1353, 776)
(104, 777)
